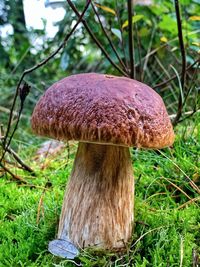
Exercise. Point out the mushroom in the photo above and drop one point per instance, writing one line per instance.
(107, 115)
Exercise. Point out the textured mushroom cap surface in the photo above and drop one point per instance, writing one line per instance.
(103, 109)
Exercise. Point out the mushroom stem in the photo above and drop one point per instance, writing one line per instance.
(98, 203)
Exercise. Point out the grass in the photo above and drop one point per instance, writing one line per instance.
(167, 213)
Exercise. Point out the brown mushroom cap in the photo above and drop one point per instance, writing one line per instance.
(103, 109)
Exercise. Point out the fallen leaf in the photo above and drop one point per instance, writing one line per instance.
(107, 9)
(194, 18)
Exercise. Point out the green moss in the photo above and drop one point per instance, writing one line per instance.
(164, 232)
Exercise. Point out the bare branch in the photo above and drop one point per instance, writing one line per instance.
(20, 161)
(43, 62)
(130, 36)
(174, 76)
(183, 54)
(108, 38)
(95, 39)
(14, 176)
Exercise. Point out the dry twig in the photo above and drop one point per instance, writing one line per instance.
(43, 62)
(14, 176)
(95, 39)
(183, 55)
(189, 202)
(109, 40)
(40, 205)
(130, 36)
(192, 184)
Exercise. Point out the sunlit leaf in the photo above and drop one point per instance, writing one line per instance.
(134, 19)
(163, 39)
(194, 18)
(117, 33)
(125, 24)
(107, 9)
(173, 48)
(196, 44)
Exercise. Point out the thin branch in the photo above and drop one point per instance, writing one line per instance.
(108, 38)
(177, 187)
(148, 232)
(183, 55)
(189, 113)
(181, 42)
(148, 54)
(43, 62)
(152, 52)
(139, 52)
(6, 110)
(23, 92)
(167, 74)
(15, 177)
(20, 161)
(130, 36)
(121, 31)
(193, 200)
(192, 82)
(40, 206)
(193, 185)
(174, 76)
(95, 39)
(41, 201)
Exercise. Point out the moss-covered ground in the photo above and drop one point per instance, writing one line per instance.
(167, 206)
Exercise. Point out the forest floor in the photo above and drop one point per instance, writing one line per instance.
(167, 205)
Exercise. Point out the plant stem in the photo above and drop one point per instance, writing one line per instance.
(109, 40)
(95, 39)
(27, 71)
(130, 35)
(183, 55)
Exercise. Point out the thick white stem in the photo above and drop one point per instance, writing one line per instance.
(98, 203)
